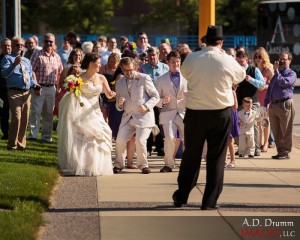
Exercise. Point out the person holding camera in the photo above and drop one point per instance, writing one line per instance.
(281, 106)
(17, 71)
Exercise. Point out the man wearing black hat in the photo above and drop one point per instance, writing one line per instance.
(210, 74)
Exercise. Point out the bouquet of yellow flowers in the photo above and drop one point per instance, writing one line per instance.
(73, 84)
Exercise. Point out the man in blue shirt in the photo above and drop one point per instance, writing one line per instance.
(279, 99)
(64, 52)
(17, 71)
(154, 68)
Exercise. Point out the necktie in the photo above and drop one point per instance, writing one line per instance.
(129, 85)
(25, 77)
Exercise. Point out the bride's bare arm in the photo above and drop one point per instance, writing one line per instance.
(108, 92)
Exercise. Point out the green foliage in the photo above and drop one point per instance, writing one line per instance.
(169, 12)
(81, 16)
(93, 16)
(30, 14)
(27, 179)
(237, 17)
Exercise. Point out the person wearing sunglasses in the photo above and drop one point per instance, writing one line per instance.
(47, 66)
(17, 71)
(261, 60)
(279, 100)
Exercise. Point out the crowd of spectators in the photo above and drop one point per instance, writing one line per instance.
(48, 65)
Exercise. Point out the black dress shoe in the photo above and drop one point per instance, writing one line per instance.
(166, 169)
(210, 208)
(146, 170)
(11, 149)
(117, 170)
(176, 202)
(31, 139)
(281, 156)
(161, 153)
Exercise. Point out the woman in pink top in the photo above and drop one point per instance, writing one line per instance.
(261, 60)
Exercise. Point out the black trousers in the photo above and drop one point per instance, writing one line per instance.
(4, 112)
(200, 125)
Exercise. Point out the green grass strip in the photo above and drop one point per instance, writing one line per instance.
(27, 179)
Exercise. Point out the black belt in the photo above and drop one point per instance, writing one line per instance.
(47, 85)
(280, 101)
(19, 89)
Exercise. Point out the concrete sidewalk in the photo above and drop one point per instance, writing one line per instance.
(131, 205)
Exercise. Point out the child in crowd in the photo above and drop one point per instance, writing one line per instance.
(247, 118)
(235, 130)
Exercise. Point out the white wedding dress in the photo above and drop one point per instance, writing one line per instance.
(84, 138)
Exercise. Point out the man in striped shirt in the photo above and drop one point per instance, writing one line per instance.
(47, 66)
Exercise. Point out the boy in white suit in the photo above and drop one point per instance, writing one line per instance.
(247, 118)
(136, 95)
(172, 88)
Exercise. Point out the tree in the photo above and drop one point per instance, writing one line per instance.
(237, 16)
(169, 13)
(93, 16)
(30, 15)
(81, 16)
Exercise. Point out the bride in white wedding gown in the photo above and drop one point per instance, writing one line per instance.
(84, 138)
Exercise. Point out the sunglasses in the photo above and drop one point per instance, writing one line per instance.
(19, 45)
(48, 41)
(257, 57)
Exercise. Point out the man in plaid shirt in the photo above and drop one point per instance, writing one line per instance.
(47, 66)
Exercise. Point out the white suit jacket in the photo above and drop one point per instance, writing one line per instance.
(144, 92)
(165, 87)
(247, 125)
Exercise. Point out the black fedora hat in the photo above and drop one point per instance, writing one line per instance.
(214, 33)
